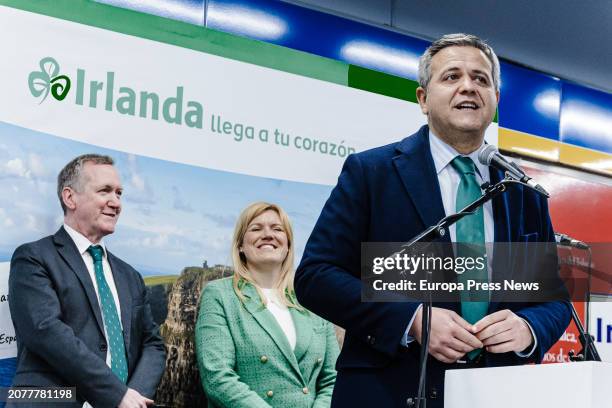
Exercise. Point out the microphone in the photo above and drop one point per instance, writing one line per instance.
(490, 156)
(566, 240)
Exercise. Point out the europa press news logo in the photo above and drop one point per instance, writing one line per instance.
(48, 80)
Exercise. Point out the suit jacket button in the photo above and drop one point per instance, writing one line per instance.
(433, 393)
(264, 359)
(305, 390)
(270, 394)
(103, 348)
(319, 360)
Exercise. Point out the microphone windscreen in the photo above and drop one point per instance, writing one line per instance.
(486, 154)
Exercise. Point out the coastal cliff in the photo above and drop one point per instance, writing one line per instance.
(180, 385)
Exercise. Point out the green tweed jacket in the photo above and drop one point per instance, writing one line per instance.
(245, 359)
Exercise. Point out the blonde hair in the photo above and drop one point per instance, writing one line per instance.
(284, 286)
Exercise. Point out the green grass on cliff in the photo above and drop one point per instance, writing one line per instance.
(160, 280)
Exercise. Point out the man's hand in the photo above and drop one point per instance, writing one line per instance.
(503, 331)
(450, 337)
(133, 399)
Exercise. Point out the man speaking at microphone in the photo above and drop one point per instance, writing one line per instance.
(391, 194)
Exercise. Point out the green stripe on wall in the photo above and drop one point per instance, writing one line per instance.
(385, 84)
(381, 83)
(215, 42)
(226, 45)
(188, 36)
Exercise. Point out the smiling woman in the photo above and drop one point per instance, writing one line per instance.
(255, 345)
(260, 251)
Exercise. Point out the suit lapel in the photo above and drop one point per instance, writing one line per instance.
(303, 330)
(267, 322)
(501, 212)
(501, 222)
(69, 252)
(416, 169)
(125, 299)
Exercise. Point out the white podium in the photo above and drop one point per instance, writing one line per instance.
(571, 385)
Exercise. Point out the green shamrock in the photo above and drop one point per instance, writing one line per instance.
(40, 81)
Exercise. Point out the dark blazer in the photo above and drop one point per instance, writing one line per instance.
(59, 327)
(390, 194)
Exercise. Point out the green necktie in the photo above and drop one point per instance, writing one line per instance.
(111, 317)
(470, 236)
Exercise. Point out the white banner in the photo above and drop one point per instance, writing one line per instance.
(600, 325)
(8, 343)
(162, 101)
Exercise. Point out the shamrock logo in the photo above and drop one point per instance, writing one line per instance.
(47, 79)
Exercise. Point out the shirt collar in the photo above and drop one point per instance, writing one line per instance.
(81, 242)
(443, 154)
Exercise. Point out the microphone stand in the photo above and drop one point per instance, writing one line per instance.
(589, 351)
(434, 233)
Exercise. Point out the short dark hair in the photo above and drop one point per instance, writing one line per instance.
(460, 40)
(70, 176)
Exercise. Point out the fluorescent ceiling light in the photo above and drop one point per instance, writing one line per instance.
(186, 11)
(369, 54)
(548, 103)
(591, 121)
(247, 21)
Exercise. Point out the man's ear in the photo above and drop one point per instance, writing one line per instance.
(68, 198)
(421, 95)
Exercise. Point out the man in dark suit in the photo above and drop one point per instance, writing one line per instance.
(81, 314)
(391, 194)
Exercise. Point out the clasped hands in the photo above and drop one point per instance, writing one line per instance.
(451, 337)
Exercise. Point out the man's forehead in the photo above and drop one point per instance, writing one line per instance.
(98, 172)
(98, 167)
(457, 56)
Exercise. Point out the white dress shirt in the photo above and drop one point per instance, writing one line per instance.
(282, 315)
(82, 243)
(449, 178)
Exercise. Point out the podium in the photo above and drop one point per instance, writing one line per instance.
(572, 385)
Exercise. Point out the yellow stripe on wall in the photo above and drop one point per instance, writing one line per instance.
(588, 159)
(541, 148)
(529, 145)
